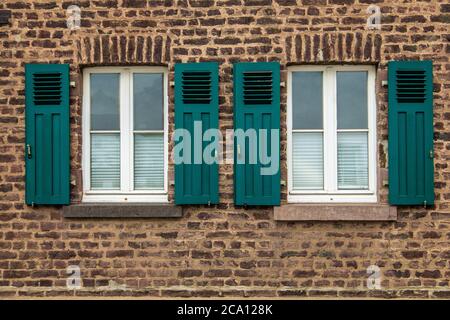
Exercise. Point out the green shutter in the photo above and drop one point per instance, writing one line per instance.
(47, 148)
(410, 98)
(256, 106)
(196, 101)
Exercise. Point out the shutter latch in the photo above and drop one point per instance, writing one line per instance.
(29, 151)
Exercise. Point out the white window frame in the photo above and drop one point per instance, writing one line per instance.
(330, 193)
(126, 193)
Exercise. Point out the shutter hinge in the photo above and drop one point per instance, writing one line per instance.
(425, 203)
(431, 154)
(29, 155)
(209, 203)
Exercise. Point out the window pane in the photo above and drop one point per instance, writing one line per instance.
(307, 161)
(352, 100)
(149, 161)
(105, 161)
(352, 160)
(307, 100)
(105, 88)
(148, 101)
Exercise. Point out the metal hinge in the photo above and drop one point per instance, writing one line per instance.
(425, 203)
(29, 155)
(431, 154)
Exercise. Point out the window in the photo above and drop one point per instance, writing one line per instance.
(125, 134)
(331, 134)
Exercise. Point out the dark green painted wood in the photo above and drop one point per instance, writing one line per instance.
(256, 106)
(47, 145)
(411, 169)
(197, 100)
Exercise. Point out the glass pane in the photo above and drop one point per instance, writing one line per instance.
(105, 101)
(105, 161)
(353, 172)
(148, 101)
(307, 161)
(307, 100)
(352, 100)
(149, 161)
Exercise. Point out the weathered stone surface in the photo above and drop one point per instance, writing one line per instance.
(336, 212)
(125, 211)
(221, 250)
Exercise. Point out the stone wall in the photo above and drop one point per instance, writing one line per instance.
(220, 250)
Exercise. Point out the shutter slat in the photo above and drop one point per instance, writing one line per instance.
(257, 87)
(47, 88)
(196, 87)
(410, 86)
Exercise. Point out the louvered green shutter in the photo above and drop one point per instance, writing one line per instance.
(256, 106)
(410, 97)
(196, 101)
(47, 149)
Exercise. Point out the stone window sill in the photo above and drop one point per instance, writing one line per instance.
(114, 210)
(335, 212)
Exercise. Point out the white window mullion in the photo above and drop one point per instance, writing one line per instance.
(333, 129)
(289, 146)
(86, 114)
(131, 132)
(166, 129)
(124, 131)
(372, 136)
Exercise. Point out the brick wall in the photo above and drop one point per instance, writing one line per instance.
(221, 250)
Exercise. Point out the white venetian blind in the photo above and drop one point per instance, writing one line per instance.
(149, 161)
(105, 161)
(307, 158)
(352, 160)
